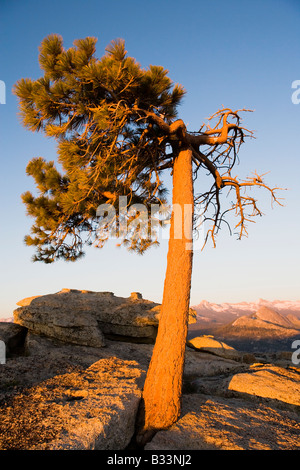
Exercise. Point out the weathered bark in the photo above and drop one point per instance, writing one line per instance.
(163, 385)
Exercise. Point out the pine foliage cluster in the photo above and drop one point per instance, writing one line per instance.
(107, 147)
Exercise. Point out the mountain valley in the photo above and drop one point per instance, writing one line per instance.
(262, 326)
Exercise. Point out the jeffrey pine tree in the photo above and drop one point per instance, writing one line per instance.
(117, 131)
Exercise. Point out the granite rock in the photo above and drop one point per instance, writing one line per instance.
(86, 317)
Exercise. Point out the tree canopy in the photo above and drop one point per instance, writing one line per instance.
(95, 109)
(117, 130)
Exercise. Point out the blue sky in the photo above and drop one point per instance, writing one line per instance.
(235, 53)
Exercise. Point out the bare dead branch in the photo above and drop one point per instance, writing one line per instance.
(223, 141)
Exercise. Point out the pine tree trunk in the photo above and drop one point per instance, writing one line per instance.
(163, 385)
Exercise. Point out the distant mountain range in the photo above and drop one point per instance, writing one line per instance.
(213, 315)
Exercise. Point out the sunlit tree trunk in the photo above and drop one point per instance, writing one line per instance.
(163, 386)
